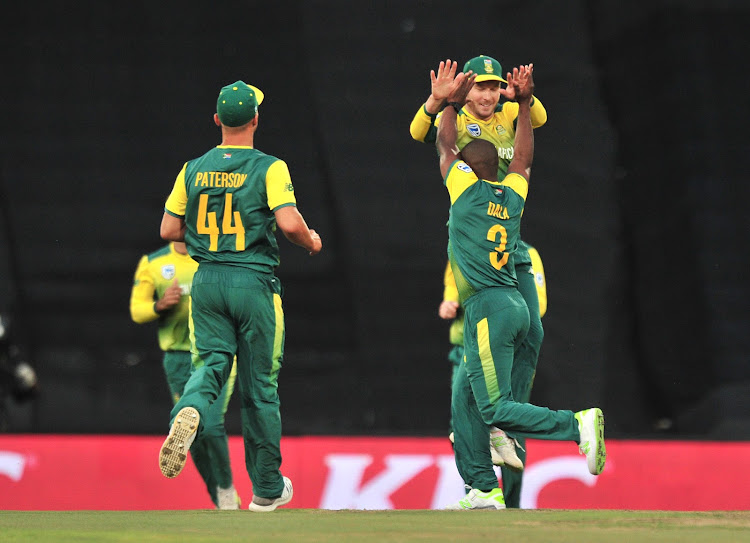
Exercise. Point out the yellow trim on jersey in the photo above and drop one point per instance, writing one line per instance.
(279, 187)
(460, 177)
(450, 291)
(518, 183)
(537, 270)
(488, 363)
(177, 201)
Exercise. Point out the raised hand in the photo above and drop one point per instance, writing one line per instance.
(520, 83)
(461, 87)
(443, 80)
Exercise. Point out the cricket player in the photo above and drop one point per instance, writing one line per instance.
(483, 229)
(226, 206)
(161, 292)
(485, 117)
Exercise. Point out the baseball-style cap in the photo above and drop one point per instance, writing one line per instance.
(238, 103)
(486, 68)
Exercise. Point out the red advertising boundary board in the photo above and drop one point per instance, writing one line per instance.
(63, 472)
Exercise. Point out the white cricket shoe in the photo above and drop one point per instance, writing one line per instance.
(260, 505)
(476, 499)
(503, 450)
(174, 451)
(228, 498)
(591, 427)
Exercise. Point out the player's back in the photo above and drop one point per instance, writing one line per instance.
(484, 228)
(227, 215)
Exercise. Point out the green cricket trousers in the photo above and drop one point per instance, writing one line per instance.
(522, 375)
(496, 322)
(237, 311)
(210, 452)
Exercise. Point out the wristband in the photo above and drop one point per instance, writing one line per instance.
(456, 106)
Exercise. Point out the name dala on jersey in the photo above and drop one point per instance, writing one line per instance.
(220, 179)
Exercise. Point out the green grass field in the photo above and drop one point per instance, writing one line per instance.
(306, 525)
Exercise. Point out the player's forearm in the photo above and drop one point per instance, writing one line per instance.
(421, 124)
(524, 145)
(301, 236)
(143, 311)
(447, 132)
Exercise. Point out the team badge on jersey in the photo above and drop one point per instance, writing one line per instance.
(474, 130)
(227, 156)
(500, 129)
(464, 167)
(168, 271)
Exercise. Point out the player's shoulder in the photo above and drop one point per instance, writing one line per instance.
(163, 251)
(506, 110)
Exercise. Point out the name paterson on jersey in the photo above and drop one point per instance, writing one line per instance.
(220, 179)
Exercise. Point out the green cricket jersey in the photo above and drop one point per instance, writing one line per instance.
(228, 198)
(500, 130)
(483, 230)
(155, 273)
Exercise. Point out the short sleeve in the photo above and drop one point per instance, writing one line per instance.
(279, 186)
(177, 200)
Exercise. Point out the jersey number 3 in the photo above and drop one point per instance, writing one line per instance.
(495, 259)
(231, 223)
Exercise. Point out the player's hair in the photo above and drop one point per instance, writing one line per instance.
(481, 155)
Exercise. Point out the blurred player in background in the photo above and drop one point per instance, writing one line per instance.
(18, 380)
(522, 376)
(483, 232)
(485, 117)
(161, 291)
(226, 206)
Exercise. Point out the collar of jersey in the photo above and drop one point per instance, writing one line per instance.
(234, 146)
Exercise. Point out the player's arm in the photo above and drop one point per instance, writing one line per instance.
(448, 131)
(173, 221)
(523, 150)
(538, 113)
(293, 224)
(449, 306)
(539, 280)
(142, 306)
(172, 228)
(422, 126)
(283, 203)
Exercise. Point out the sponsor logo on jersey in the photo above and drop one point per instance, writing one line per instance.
(464, 167)
(227, 155)
(474, 130)
(168, 271)
(539, 278)
(500, 129)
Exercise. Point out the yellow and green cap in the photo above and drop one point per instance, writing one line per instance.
(238, 103)
(486, 68)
